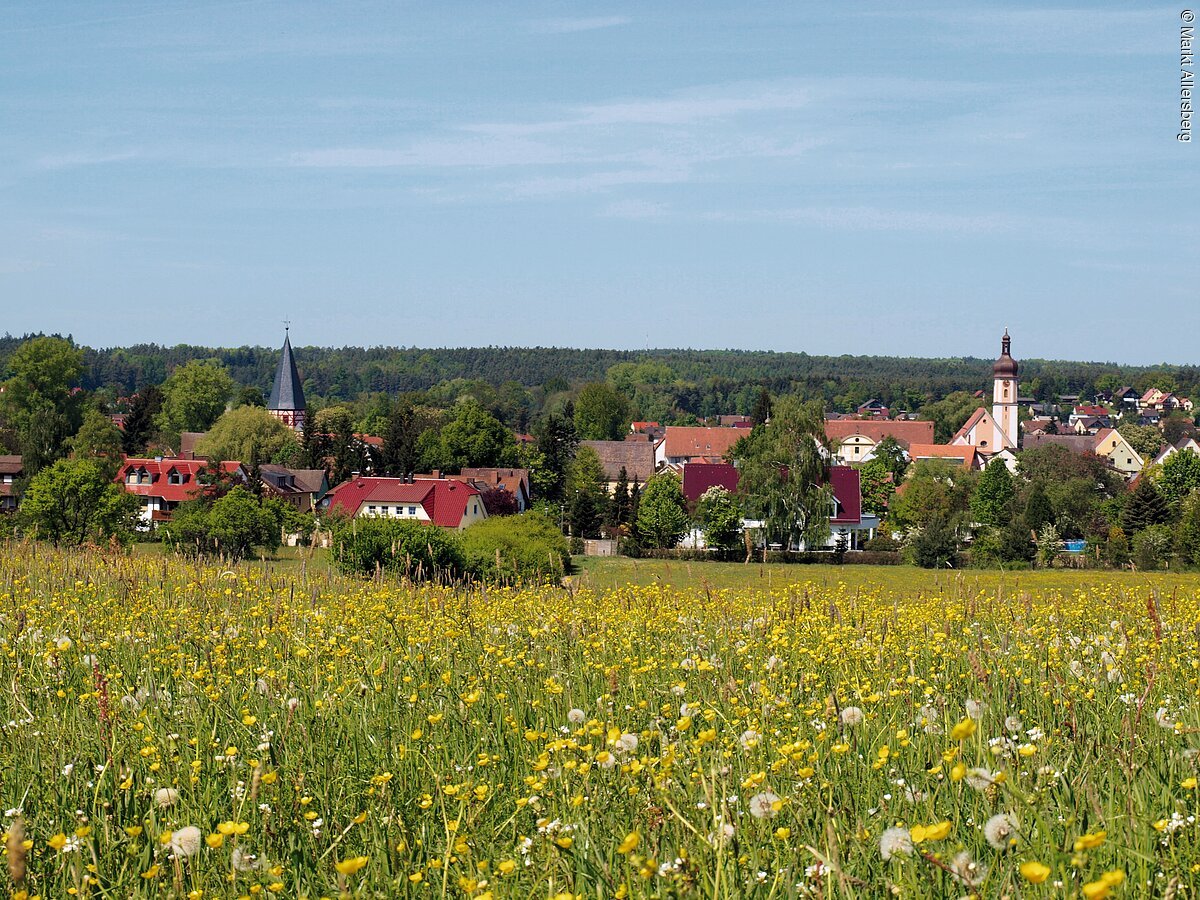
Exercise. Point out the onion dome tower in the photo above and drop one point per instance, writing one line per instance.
(1004, 394)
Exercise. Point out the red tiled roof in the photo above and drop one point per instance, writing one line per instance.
(971, 422)
(909, 431)
(515, 481)
(444, 499)
(159, 470)
(964, 453)
(699, 477)
(1097, 411)
(699, 442)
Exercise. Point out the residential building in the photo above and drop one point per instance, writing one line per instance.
(683, 443)
(444, 502)
(855, 440)
(515, 481)
(873, 409)
(287, 393)
(1185, 444)
(636, 457)
(964, 455)
(302, 488)
(699, 477)
(1093, 412)
(162, 483)
(11, 470)
(1108, 443)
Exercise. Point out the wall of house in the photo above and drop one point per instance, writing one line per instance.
(393, 510)
(857, 448)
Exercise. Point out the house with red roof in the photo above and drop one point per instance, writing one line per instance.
(964, 455)
(699, 477)
(854, 440)
(686, 443)
(444, 502)
(162, 483)
(846, 519)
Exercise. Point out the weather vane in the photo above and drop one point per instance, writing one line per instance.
(287, 325)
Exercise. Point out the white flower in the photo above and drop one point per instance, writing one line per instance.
(186, 841)
(975, 709)
(246, 862)
(749, 739)
(999, 829)
(688, 709)
(165, 797)
(63, 643)
(1163, 718)
(895, 841)
(576, 716)
(1013, 724)
(721, 835)
(627, 743)
(981, 779)
(966, 870)
(68, 769)
(293, 704)
(762, 805)
(852, 716)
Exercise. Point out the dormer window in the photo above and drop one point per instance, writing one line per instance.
(175, 477)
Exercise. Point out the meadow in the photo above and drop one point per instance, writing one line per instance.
(171, 728)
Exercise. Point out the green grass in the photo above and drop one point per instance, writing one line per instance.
(606, 573)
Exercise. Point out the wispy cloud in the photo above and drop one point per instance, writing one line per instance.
(84, 158)
(571, 25)
(635, 209)
(870, 218)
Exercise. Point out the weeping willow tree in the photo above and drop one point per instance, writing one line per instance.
(783, 471)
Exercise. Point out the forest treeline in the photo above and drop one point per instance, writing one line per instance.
(664, 384)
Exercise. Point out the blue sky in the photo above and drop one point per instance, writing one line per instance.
(833, 178)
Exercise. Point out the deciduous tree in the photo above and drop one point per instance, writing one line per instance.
(783, 473)
(74, 501)
(662, 511)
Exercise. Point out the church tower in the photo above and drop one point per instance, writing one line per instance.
(287, 394)
(1004, 396)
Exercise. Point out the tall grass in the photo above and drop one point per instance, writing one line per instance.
(168, 728)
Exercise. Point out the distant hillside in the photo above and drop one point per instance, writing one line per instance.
(701, 381)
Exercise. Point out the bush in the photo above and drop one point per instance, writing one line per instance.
(233, 525)
(516, 548)
(419, 552)
(934, 546)
(1152, 547)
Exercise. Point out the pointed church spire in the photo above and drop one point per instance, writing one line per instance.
(287, 394)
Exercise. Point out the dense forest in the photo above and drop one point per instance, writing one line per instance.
(670, 385)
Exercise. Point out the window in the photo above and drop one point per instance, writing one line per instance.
(175, 477)
(132, 477)
(412, 510)
(370, 510)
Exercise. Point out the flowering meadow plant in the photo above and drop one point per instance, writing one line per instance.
(171, 729)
